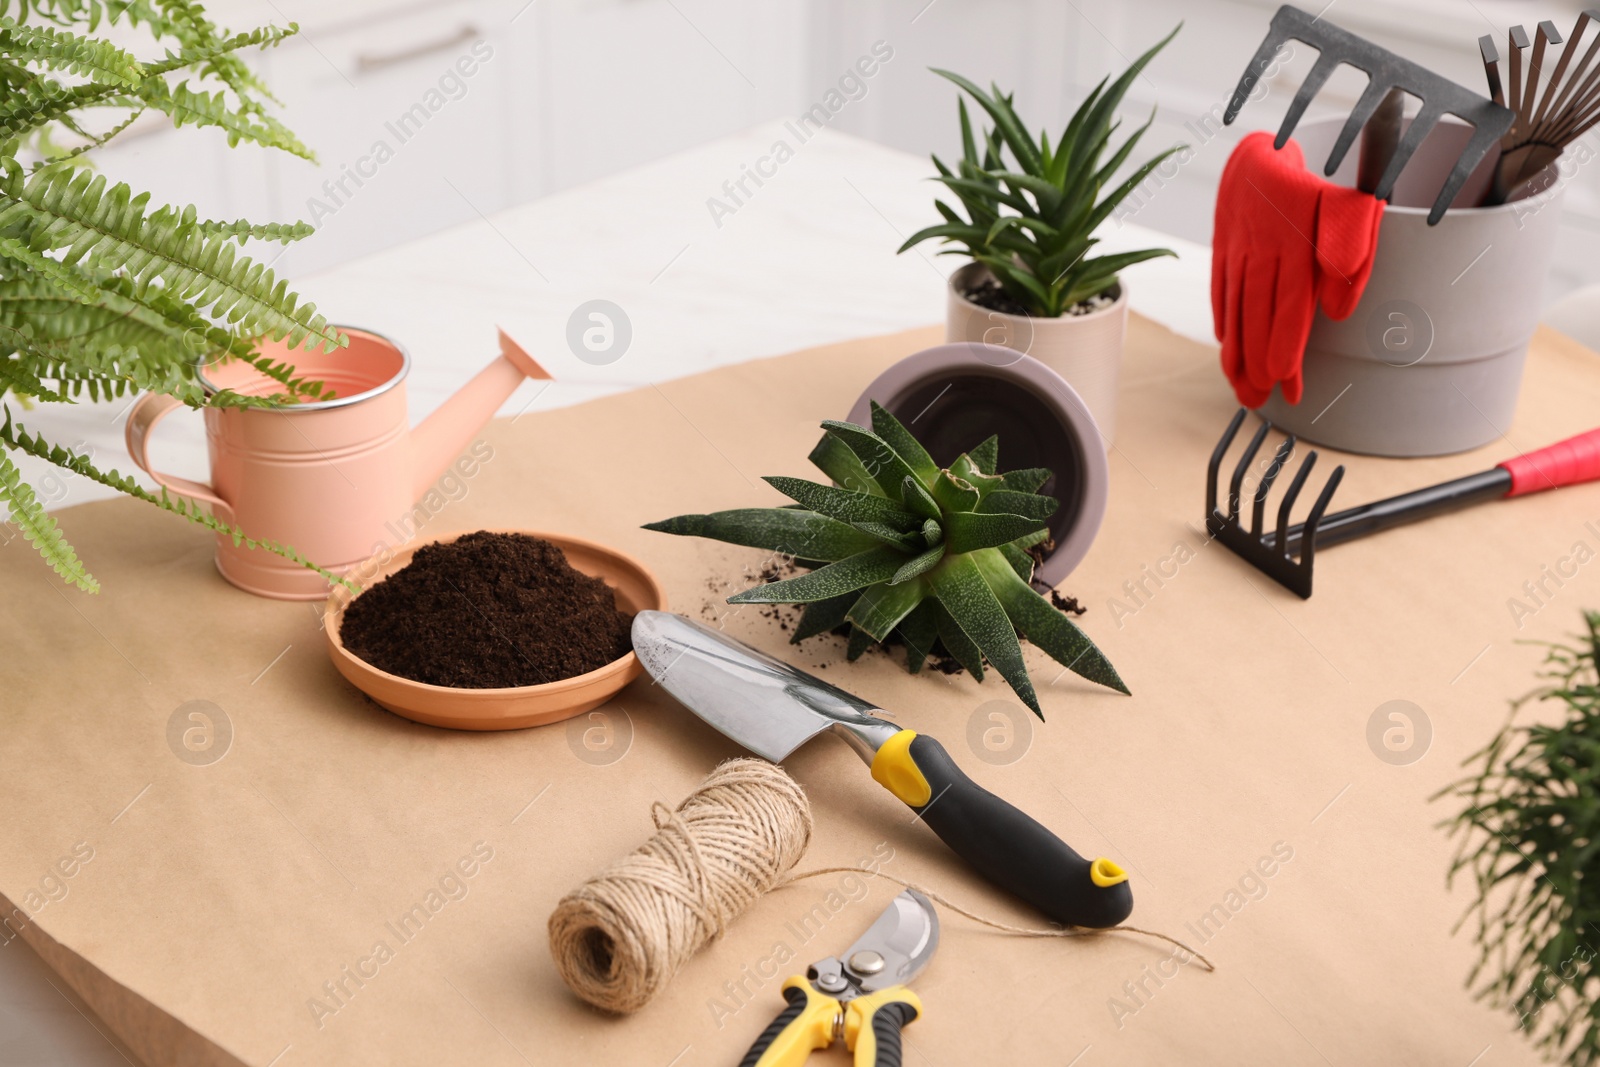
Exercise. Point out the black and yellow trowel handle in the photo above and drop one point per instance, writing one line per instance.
(871, 1024)
(1005, 845)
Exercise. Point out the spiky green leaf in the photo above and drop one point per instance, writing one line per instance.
(820, 616)
(957, 643)
(882, 607)
(1019, 559)
(919, 564)
(971, 603)
(1009, 501)
(855, 572)
(907, 447)
(954, 494)
(1044, 625)
(905, 540)
(833, 457)
(918, 500)
(1005, 119)
(919, 631)
(884, 465)
(1027, 209)
(986, 457)
(1026, 479)
(968, 531)
(801, 534)
(844, 505)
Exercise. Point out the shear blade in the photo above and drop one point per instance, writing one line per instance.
(905, 936)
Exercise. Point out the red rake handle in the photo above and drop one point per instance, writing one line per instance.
(1569, 462)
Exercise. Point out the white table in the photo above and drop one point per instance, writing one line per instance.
(808, 259)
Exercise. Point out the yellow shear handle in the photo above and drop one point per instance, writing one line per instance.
(805, 1025)
(872, 1025)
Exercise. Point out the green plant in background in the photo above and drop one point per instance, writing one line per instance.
(1530, 838)
(1031, 217)
(102, 295)
(903, 547)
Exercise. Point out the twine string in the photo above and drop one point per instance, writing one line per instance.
(619, 938)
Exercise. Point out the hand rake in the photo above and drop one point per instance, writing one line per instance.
(1569, 462)
(1385, 71)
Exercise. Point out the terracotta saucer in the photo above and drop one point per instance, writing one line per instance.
(499, 709)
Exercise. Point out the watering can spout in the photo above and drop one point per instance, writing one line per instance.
(444, 435)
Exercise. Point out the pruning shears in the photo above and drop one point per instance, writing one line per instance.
(859, 997)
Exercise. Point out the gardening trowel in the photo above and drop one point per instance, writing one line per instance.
(772, 708)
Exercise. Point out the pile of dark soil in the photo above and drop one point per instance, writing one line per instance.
(988, 293)
(786, 615)
(487, 611)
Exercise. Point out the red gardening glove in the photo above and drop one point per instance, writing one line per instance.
(1284, 239)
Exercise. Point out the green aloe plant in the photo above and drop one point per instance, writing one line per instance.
(901, 546)
(1032, 209)
(1530, 843)
(101, 293)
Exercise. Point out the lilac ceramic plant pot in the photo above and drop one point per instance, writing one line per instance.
(954, 396)
(1430, 361)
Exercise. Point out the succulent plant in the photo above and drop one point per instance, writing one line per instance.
(901, 546)
(1031, 218)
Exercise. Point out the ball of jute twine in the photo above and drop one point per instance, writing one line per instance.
(619, 938)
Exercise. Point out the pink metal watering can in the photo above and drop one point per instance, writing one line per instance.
(336, 478)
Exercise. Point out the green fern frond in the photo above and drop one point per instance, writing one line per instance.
(186, 106)
(14, 436)
(60, 274)
(187, 22)
(89, 13)
(39, 528)
(101, 295)
(38, 102)
(17, 376)
(52, 157)
(89, 57)
(78, 213)
(151, 339)
(264, 37)
(241, 230)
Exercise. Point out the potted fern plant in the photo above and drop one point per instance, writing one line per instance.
(1529, 831)
(1031, 210)
(101, 294)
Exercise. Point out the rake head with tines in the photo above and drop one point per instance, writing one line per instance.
(1385, 71)
(1577, 459)
(1272, 553)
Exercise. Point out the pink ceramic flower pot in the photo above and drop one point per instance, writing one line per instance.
(1086, 350)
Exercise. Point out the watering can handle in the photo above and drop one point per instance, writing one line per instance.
(147, 411)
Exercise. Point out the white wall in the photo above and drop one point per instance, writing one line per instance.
(563, 91)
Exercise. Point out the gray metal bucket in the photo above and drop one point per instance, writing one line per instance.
(1430, 362)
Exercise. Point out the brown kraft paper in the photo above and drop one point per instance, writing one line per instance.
(344, 886)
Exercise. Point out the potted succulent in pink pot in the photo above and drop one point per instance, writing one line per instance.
(1031, 210)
